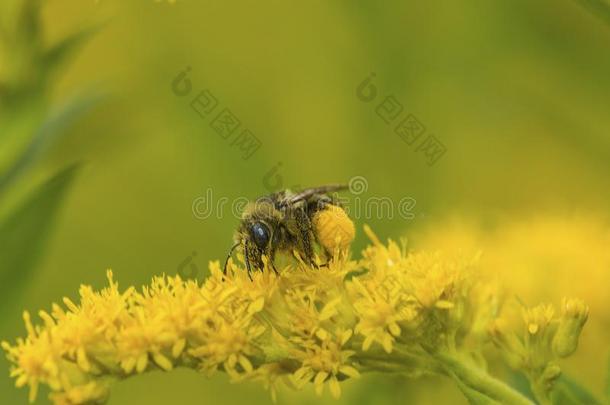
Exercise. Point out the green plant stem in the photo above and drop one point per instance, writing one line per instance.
(461, 368)
(540, 392)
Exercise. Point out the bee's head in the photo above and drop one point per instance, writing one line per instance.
(258, 220)
(256, 231)
(255, 238)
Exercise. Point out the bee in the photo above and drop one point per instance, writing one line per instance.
(292, 223)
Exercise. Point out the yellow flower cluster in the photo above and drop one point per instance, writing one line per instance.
(391, 311)
(535, 341)
(542, 258)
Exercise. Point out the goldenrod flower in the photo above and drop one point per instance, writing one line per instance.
(324, 361)
(392, 311)
(543, 258)
(535, 344)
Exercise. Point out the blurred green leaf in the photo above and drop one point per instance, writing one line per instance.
(53, 57)
(48, 132)
(600, 8)
(23, 234)
(568, 392)
(28, 21)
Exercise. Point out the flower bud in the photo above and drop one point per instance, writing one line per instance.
(551, 373)
(574, 314)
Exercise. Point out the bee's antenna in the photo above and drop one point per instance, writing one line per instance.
(224, 270)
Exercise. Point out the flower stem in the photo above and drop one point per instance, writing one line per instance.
(540, 392)
(477, 379)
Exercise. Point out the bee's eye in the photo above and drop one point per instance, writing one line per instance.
(260, 233)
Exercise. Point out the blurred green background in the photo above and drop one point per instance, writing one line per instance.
(518, 92)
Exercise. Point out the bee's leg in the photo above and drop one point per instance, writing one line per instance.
(247, 258)
(310, 252)
(272, 262)
(273, 267)
(328, 257)
(224, 269)
(305, 230)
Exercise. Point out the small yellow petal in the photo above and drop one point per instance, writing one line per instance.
(81, 360)
(245, 363)
(28, 324)
(142, 362)
(320, 378)
(128, 365)
(48, 320)
(345, 336)
(387, 343)
(368, 341)
(178, 347)
(394, 329)
(300, 372)
(163, 361)
(443, 304)
(71, 305)
(329, 309)
(322, 334)
(232, 360)
(335, 389)
(349, 371)
(256, 306)
(21, 381)
(319, 389)
(33, 391)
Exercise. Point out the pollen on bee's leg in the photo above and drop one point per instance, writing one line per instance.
(334, 229)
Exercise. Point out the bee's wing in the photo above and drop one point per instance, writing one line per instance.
(308, 192)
